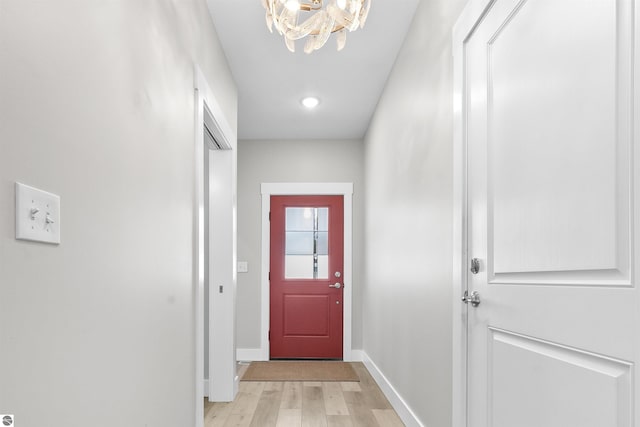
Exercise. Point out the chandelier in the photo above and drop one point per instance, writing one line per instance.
(297, 19)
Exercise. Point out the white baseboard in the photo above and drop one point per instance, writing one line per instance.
(404, 411)
(205, 384)
(249, 355)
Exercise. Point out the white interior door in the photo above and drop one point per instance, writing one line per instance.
(548, 107)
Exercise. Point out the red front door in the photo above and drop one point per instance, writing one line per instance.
(306, 277)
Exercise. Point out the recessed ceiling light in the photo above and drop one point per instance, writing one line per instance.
(310, 102)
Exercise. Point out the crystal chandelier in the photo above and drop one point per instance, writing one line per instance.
(296, 19)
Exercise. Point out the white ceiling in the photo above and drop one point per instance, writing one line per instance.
(271, 80)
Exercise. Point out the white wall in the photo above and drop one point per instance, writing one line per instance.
(408, 234)
(97, 105)
(291, 161)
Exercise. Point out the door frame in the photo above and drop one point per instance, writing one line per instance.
(221, 259)
(473, 13)
(311, 189)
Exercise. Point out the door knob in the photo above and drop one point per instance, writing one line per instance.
(474, 298)
(336, 285)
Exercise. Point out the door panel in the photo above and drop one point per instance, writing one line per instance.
(560, 374)
(307, 234)
(306, 315)
(548, 110)
(551, 91)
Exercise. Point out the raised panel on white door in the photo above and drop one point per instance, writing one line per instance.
(533, 383)
(558, 135)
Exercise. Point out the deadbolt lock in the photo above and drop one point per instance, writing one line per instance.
(475, 265)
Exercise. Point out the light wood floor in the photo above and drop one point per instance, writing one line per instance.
(305, 404)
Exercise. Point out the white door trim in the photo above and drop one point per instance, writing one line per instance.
(209, 112)
(292, 189)
(472, 14)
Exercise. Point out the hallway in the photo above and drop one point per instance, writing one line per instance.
(522, 187)
(291, 404)
(117, 301)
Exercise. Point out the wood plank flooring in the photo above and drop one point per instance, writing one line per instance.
(305, 404)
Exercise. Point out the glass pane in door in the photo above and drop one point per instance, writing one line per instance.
(306, 243)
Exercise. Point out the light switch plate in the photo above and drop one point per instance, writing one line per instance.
(37, 215)
(243, 267)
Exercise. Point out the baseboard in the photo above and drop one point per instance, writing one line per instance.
(249, 354)
(205, 384)
(404, 411)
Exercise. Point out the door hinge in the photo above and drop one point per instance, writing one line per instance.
(269, 216)
(269, 275)
(269, 335)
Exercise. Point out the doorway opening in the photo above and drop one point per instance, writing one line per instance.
(214, 251)
(306, 286)
(270, 190)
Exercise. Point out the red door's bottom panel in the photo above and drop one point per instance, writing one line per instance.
(306, 328)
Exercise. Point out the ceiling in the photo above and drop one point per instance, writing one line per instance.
(272, 81)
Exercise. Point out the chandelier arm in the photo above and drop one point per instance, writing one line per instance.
(343, 18)
(310, 44)
(287, 20)
(365, 13)
(309, 26)
(325, 31)
(341, 39)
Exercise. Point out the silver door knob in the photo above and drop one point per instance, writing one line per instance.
(336, 285)
(474, 298)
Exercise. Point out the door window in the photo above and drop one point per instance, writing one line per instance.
(306, 245)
